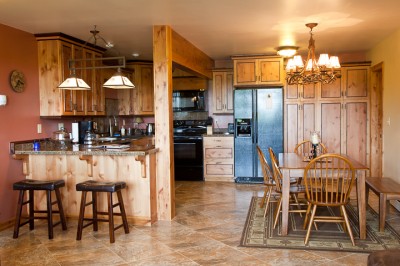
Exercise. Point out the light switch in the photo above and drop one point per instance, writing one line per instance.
(39, 128)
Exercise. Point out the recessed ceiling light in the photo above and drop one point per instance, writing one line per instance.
(135, 54)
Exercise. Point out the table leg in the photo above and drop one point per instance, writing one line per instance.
(362, 216)
(285, 200)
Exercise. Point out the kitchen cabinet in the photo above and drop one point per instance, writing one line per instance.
(54, 53)
(340, 111)
(222, 91)
(218, 154)
(258, 70)
(140, 100)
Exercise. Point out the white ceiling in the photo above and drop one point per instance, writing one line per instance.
(220, 28)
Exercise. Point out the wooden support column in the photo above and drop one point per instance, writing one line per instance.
(162, 62)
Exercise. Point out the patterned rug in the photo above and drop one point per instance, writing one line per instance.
(259, 232)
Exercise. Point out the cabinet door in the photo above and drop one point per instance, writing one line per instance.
(331, 120)
(299, 121)
(79, 96)
(332, 90)
(356, 131)
(292, 92)
(270, 71)
(356, 82)
(146, 90)
(245, 72)
(218, 87)
(95, 97)
(229, 92)
(67, 95)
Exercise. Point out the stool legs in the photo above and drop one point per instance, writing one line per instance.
(123, 214)
(111, 217)
(94, 220)
(32, 211)
(61, 209)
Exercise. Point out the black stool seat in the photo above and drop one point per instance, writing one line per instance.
(31, 185)
(99, 186)
(38, 184)
(96, 187)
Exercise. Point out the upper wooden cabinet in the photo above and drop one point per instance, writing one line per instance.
(250, 71)
(222, 91)
(54, 53)
(140, 100)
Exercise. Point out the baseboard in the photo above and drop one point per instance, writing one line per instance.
(7, 224)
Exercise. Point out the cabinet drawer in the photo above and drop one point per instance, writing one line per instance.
(219, 169)
(217, 142)
(218, 153)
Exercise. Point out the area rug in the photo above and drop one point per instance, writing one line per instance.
(258, 232)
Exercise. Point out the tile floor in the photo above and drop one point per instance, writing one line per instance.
(206, 231)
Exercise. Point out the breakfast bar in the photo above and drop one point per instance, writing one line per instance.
(133, 164)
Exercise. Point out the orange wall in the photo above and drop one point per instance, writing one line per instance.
(18, 119)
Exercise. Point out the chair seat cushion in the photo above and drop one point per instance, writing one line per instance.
(31, 184)
(100, 186)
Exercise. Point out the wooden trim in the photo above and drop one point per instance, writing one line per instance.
(142, 160)
(89, 160)
(7, 224)
(162, 56)
(188, 56)
(25, 162)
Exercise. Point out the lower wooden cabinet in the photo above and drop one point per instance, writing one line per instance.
(218, 158)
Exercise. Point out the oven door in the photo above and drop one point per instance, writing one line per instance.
(188, 158)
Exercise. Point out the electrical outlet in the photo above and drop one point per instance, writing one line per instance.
(60, 125)
(39, 128)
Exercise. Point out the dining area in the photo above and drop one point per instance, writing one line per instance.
(308, 187)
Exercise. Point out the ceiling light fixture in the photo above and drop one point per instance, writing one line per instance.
(287, 51)
(117, 81)
(326, 70)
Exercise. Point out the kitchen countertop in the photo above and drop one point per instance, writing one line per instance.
(218, 134)
(116, 147)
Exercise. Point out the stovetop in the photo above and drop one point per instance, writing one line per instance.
(190, 127)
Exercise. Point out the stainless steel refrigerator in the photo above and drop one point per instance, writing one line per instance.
(258, 116)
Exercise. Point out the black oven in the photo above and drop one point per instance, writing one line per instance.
(188, 157)
(188, 149)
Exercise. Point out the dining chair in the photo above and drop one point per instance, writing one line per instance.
(294, 189)
(269, 182)
(328, 181)
(305, 147)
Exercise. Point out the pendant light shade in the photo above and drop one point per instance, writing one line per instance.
(118, 81)
(74, 83)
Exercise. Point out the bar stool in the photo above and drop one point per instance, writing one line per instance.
(32, 185)
(94, 187)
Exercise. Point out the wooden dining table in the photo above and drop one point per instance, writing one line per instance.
(293, 165)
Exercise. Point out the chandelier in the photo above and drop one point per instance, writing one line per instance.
(326, 70)
(117, 81)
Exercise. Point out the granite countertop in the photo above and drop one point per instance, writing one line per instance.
(218, 134)
(48, 147)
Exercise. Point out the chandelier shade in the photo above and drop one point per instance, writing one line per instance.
(326, 70)
(118, 81)
(73, 83)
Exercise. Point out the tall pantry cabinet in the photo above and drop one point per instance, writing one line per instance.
(54, 52)
(340, 111)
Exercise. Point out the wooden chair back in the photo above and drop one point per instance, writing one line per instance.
(328, 180)
(266, 170)
(276, 172)
(305, 147)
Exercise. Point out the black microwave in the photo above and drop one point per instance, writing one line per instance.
(185, 101)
